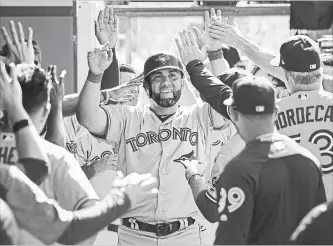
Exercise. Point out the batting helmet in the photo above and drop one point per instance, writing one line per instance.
(160, 61)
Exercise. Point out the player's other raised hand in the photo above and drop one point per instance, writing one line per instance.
(106, 27)
(58, 91)
(188, 47)
(20, 51)
(10, 89)
(124, 92)
(100, 58)
(205, 38)
(226, 33)
(138, 187)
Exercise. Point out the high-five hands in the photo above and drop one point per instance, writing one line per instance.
(106, 27)
(100, 58)
(188, 47)
(138, 187)
(20, 51)
(205, 38)
(223, 32)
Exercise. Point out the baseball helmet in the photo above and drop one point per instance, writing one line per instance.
(160, 61)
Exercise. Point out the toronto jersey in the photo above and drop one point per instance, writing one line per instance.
(66, 183)
(147, 145)
(307, 117)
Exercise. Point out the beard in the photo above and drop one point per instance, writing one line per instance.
(166, 102)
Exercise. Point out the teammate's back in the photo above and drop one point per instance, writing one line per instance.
(280, 182)
(307, 117)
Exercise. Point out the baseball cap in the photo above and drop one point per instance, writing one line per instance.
(298, 53)
(162, 61)
(252, 95)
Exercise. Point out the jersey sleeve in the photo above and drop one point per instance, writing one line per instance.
(35, 213)
(71, 186)
(73, 128)
(117, 116)
(235, 189)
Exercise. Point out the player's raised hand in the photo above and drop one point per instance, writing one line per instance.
(124, 92)
(20, 51)
(100, 58)
(58, 90)
(205, 38)
(188, 47)
(226, 33)
(106, 27)
(138, 187)
(10, 89)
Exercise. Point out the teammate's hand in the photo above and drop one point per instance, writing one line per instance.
(10, 89)
(188, 47)
(228, 34)
(138, 187)
(205, 38)
(19, 50)
(106, 27)
(58, 91)
(123, 93)
(100, 58)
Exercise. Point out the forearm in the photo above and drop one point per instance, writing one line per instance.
(88, 105)
(217, 62)
(89, 221)
(55, 127)
(208, 207)
(260, 57)
(211, 88)
(70, 103)
(111, 74)
(29, 146)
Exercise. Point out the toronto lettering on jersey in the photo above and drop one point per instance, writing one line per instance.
(8, 155)
(301, 115)
(142, 139)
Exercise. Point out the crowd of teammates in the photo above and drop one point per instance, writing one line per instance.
(203, 148)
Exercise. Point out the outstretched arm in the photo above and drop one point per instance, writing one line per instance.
(231, 35)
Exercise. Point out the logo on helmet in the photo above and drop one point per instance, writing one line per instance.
(163, 59)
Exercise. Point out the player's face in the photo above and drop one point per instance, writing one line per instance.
(166, 85)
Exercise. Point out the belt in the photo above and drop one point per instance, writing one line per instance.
(160, 230)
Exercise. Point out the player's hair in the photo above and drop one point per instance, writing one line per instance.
(37, 51)
(279, 82)
(35, 86)
(126, 68)
(305, 78)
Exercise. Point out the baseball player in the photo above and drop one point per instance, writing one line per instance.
(250, 184)
(150, 137)
(307, 114)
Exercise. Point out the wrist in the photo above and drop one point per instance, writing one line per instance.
(190, 173)
(17, 113)
(94, 78)
(214, 55)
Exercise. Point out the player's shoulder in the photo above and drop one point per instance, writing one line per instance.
(59, 156)
(326, 95)
(291, 148)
